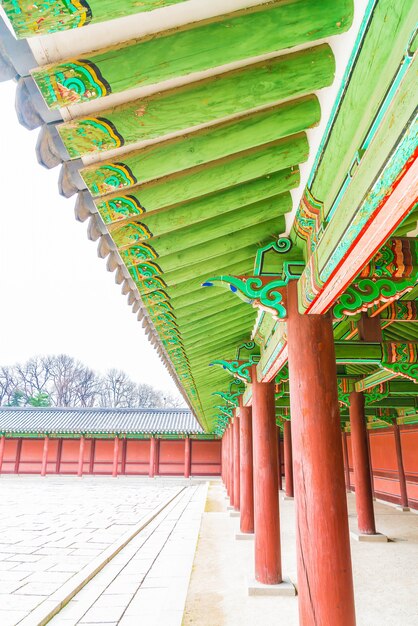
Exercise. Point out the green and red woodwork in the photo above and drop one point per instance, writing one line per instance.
(204, 152)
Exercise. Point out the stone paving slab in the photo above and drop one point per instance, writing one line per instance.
(51, 528)
(147, 582)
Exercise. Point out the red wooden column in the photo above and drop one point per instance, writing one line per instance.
(187, 457)
(268, 569)
(231, 464)
(124, 453)
(18, 454)
(401, 469)
(92, 456)
(370, 462)
(152, 456)
(361, 465)
(236, 462)
(157, 457)
(2, 444)
(246, 469)
(325, 582)
(115, 457)
(226, 461)
(81, 456)
(346, 465)
(45, 456)
(59, 455)
(288, 461)
(279, 460)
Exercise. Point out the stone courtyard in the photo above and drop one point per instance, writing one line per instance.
(163, 552)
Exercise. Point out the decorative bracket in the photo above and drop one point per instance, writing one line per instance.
(232, 398)
(366, 293)
(265, 291)
(401, 358)
(239, 369)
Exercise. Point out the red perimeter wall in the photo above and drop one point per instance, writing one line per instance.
(24, 456)
(384, 463)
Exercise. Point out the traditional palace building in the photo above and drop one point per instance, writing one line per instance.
(248, 171)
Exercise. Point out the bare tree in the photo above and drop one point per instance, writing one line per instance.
(117, 390)
(8, 384)
(60, 380)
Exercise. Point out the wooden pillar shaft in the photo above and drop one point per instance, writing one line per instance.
(231, 465)
(235, 431)
(265, 475)
(124, 454)
(361, 465)
(92, 455)
(59, 455)
(187, 457)
(152, 457)
(401, 469)
(346, 464)
(115, 457)
(81, 456)
(246, 470)
(325, 583)
(279, 460)
(45, 456)
(2, 446)
(288, 460)
(18, 453)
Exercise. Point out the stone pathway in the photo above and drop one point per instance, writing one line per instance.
(53, 527)
(147, 582)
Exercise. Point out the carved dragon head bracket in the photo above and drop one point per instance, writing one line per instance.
(264, 290)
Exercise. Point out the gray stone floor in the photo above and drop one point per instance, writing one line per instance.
(147, 582)
(53, 527)
(385, 574)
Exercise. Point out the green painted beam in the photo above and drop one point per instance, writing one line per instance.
(221, 333)
(240, 268)
(228, 318)
(224, 317)
(217, 204)
(252, 234)
(214, 228)
(29, 18)
(194, 48)
(218, 175)
(233, 93)
(357, 352)
(182, 277)
(203, 146)
(215, 348)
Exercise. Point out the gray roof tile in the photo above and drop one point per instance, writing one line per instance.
(96, 420)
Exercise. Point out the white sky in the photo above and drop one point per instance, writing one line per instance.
(55, 293)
